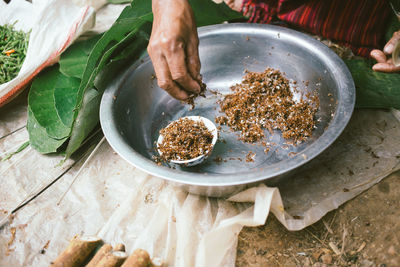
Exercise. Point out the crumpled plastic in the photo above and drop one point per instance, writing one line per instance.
(54, 25)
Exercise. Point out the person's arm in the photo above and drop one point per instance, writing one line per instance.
(383, 63)
(173, 48)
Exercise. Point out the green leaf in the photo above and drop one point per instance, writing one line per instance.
(207, 12)
(21, 148)
(86, 121)
(38, 137)
(120, 36)
(42, 104)
(73, 60)
(374, 89)
(65, 98)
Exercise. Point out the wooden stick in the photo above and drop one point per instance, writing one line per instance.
(120, 247)
(113, 259)
(106, 248)
(81, 168)
(77, 253)
(139, 258)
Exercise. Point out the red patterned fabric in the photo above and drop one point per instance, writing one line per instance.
(358, 24)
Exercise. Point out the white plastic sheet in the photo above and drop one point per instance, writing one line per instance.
(54, 25)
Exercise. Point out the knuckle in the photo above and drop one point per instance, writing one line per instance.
(152, 47)
(194, 62)
(179, 76)
(149, 50)
(172, 44)
(165, 84)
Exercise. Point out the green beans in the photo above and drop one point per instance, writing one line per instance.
(13, 46)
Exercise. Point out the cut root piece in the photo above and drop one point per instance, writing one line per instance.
(78, 252)
(113, 259)
(119, 247)
(139, 258)
(106, 248)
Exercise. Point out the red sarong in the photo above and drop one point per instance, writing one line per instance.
(357, 24)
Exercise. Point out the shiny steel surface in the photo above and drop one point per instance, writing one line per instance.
(134, 108)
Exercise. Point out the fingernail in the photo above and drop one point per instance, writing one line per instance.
(199, 77)
(388, 49)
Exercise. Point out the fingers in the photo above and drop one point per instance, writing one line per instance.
(176, 60)
(383, 65)
(388, 49)
(386, 67)
(164, 78)
(193, 61)
(378, 55)
(234, 4)
(230, 3)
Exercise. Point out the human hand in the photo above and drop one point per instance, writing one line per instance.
(384, 64)
(234, 4)
(173, 48)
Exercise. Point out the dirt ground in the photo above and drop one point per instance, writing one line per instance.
(363, 232)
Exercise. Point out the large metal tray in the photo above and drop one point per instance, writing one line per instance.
(134, 108)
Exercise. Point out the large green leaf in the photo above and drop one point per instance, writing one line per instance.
(128, 28)
(42, 104)
(73, 60)
(207, 12)
(65, 97)
(374, 89)
(38, 137)
(86, 121)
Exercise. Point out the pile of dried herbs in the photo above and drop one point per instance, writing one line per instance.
(265, 101)
(185, 139)
(13, 46)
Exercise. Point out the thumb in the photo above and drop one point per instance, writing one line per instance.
(388, 49)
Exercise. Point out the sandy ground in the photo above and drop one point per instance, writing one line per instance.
(363, 232)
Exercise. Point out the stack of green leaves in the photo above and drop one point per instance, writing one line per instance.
(13, 46)
(64, 100)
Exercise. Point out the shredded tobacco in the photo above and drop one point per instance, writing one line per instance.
(13, 231)
(250, 156)
(185, 139)
(192, 97)
(264, 101)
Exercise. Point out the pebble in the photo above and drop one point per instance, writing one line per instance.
(306, 262)
(367, 263)
(316, 254)
(326, 258)
(392, 250)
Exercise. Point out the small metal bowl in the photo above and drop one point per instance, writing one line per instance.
(200, 159)
(134, 109)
